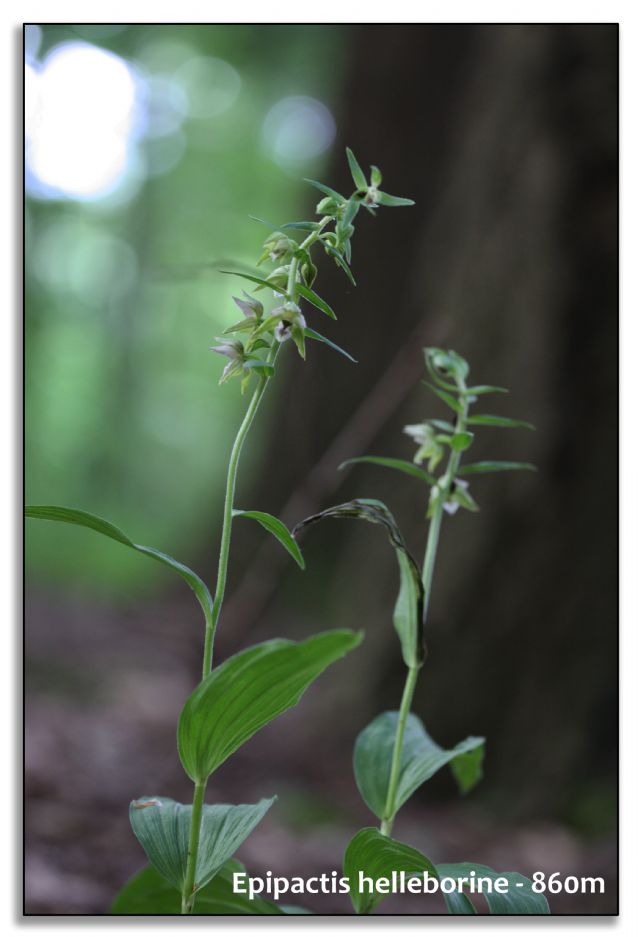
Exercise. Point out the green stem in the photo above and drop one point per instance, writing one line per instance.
(405, 707)
(188, 890)
(227, 519)
(427, 579)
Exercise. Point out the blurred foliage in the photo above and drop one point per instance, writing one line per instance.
(123, 413)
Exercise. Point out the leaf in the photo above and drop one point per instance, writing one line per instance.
(149, 893)
(316, 300)
(409, 468)
(519, 899)
(445, 397)
(374, 856)
(247, 691)
(327, 191)
(258, 280)
(300, 225)
(485, 389)
(420, 759)
(279, 531)
(262, 367)
(93, 522)
(359, 177)
(317, 337)
(267, 224)
(506, 422)
(392, 201)
(478, 468)
(461, 441)
(162, 825)
(407, 614)
(339, 259)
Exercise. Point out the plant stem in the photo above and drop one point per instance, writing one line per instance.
(227, 519)
(188, 894)
(394, 776)
(428, 567)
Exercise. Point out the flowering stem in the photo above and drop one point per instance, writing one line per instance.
(227, 519)
(428, 567)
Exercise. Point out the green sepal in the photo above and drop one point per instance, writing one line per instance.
(358, 175)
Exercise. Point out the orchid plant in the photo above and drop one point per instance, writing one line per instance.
(394, 755)
(190, 847)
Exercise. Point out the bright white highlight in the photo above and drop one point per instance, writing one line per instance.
(81, 109)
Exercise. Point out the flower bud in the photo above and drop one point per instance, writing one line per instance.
(328, 206)
(251, 307)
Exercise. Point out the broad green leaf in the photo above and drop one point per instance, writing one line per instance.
(162, 828)
(279, 531)
(149, 893)
(407, 614)
(392, 201)
(317, 337)
(409, 468)
(519, 898)
(478, 468)
(485, 419)
(359, 177)
(374, 856)
(485, 389)
(339, 259)
(447, 398)
(259, 280)
(247, 691)
(326, 189)
(420, 759)
(461, 441)
(93, 522)
(316, 300)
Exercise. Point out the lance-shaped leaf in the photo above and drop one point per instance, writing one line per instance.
(300, 225)
(480, 468)
(519, 897)
(162, 828)
(279, 531)
(407, 615)
(93, 522)
(259, 280)
(317, 337)
(401, 465)
(485, 419)
(392, 201)
(358, 175)
(370, 855)
(316, 300)
(447, 398)
(484, 389)
(247, 691)
(339, 259)
(326, 189)
(149, 893)
(420, 759)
